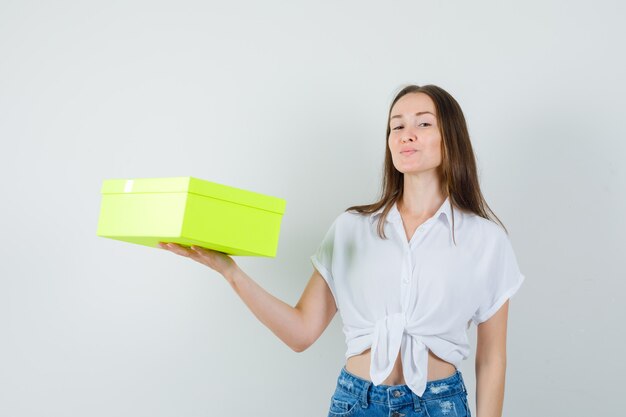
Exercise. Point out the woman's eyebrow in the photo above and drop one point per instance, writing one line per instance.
(417, 114)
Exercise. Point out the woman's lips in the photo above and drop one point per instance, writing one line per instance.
(408, 152)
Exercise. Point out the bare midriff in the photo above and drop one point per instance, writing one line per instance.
(359, 365)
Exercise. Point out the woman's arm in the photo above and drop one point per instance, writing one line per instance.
(298, 327)
(491, 364)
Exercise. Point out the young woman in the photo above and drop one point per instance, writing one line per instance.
(408, 275)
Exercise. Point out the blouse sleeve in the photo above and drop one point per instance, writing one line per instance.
(504, 279)
(322, 260)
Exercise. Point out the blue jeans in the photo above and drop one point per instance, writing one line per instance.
(359, 397)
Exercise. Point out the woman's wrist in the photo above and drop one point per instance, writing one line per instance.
(231, 273)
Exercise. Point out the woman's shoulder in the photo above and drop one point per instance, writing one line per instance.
(349, 218)
(483, 228)
(347, 222)
(341, 220)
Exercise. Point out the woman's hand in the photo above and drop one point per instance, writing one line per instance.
(218, 261)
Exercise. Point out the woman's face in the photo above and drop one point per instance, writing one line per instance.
(414, 138)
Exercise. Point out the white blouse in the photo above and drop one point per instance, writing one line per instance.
(413, 296)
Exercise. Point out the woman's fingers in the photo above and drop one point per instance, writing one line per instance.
(216, 260)
(184, 251)
(202, 251)
(177, 249)
(213, 259)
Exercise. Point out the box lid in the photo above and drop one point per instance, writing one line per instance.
(195, 186)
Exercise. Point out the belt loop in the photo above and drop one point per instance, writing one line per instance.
(416, 402)
(364, 392)
(462, 381)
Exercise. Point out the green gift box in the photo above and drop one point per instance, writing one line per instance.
(190, 211)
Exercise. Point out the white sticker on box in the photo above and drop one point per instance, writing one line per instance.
(128, 187)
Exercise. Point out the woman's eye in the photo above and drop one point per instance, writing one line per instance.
(400, 127)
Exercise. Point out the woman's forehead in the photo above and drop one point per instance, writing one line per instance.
(413, 103)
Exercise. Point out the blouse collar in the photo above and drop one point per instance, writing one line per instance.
(394, 214)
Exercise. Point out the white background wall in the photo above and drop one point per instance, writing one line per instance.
(290, 99)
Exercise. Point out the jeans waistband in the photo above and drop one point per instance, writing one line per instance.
(399, 394)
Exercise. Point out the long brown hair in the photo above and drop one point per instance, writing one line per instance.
(457, 172)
